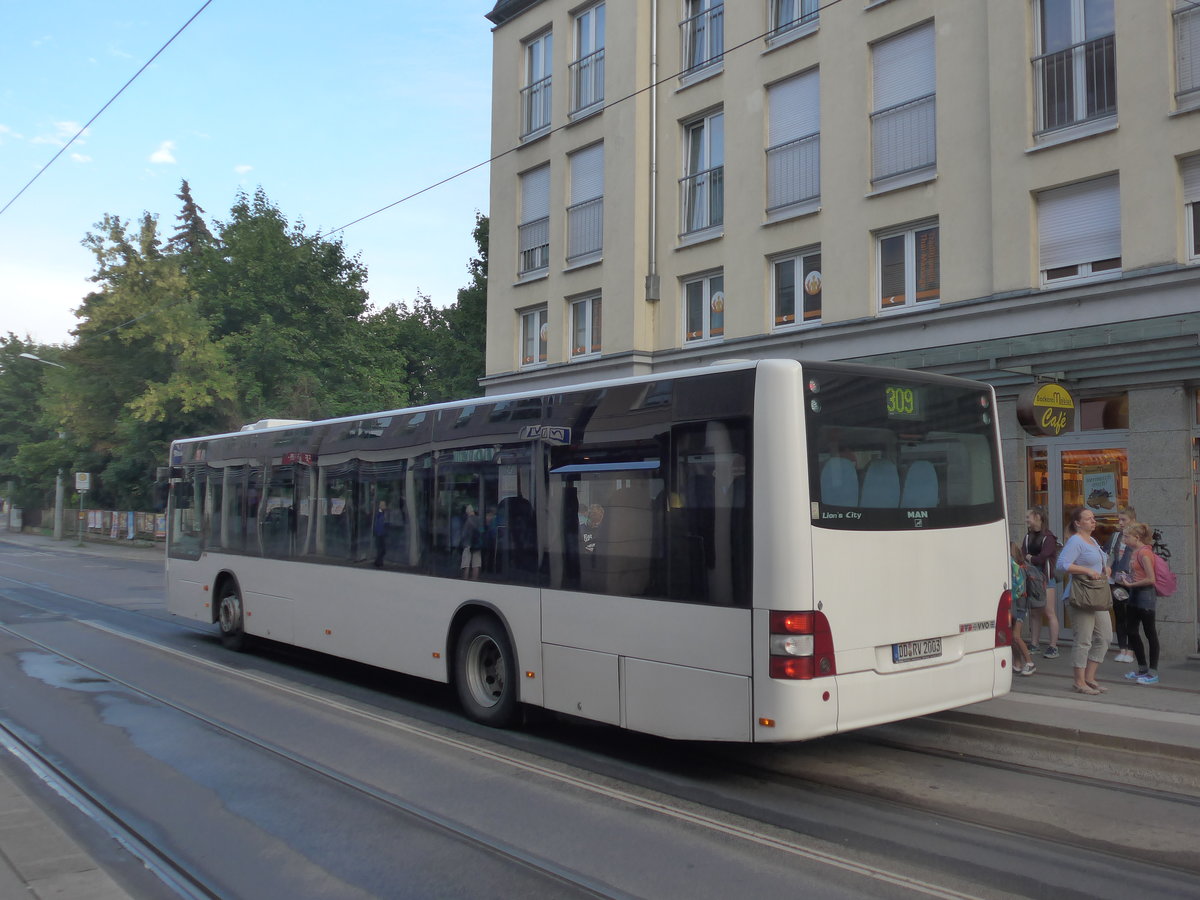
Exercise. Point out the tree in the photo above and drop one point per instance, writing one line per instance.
(29, 449)
(192, 236)
(467, 321)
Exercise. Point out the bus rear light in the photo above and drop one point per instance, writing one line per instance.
(1004, 629)
(801, 646)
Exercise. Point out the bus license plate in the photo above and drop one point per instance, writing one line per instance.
(913, 650)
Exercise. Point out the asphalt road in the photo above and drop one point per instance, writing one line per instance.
(284, 773)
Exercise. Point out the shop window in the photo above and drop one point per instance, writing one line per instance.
(1104, 413)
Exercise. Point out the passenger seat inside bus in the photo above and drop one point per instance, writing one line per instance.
(839, 482)
(920, 486)
(881, 485)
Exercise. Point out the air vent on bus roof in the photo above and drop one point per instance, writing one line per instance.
(273, 423)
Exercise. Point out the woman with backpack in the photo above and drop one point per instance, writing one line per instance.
(1143, 599)
(1040, 547)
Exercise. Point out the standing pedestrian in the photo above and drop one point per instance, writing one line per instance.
(1085, 562)
(1143, 599)
(1119, 555)
(1020, 610)
(1040, 547)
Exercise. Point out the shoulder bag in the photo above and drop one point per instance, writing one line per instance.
(1091, 594)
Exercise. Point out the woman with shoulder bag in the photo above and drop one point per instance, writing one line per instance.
(1090, 597)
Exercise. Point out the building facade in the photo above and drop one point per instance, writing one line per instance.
(683, 181)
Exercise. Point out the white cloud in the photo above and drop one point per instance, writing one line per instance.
(5, 131)
(81, 158)
(63, 132)
(164, 154)
(243, 169)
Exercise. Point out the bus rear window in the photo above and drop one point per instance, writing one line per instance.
(891, 454)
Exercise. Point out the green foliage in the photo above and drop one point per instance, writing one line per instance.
(250, 319)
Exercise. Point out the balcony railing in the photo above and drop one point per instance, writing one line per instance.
(535, 107)
(587, 81)
(1076, 84)
(703, 199)
(585, 228)
(794, 172)
(533, 245)
(703, 38)
(904, 138)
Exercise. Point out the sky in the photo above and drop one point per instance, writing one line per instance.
(334, 110)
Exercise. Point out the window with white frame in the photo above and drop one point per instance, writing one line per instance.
(536, 96)
(702, 33)
(1075, 71)
(904, 116)
(1079, 230)
(702, 187)
(1187, 52)
(794, 141)
(533, 234)
(535, 336)
(704, 307)
(585, 215)
(587, 71)
(796, 285)
(1189, 170)
(585, 327)
(788, 15)
(909, 271)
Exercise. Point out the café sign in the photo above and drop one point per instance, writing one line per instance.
(1046, 410)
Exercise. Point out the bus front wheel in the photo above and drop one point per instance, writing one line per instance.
(231, 618)
(486, 672)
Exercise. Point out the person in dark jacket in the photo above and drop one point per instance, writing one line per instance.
(1040, 547)
(379, 528)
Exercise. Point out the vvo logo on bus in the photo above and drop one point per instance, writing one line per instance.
(1046, 410)
(558, 435)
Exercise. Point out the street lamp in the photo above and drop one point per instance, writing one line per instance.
(58, 482)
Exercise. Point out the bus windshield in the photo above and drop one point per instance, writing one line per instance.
(893, 453)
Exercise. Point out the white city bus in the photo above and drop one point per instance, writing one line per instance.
(764, 551)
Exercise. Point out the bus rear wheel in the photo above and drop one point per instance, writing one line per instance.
(230, 617)
(486, 672)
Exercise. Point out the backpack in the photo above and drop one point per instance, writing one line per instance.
(1165, 582)
(1035, 584)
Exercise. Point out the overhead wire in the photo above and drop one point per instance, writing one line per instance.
(100, 112)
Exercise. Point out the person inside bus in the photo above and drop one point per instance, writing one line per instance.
(472, 544)
(1040, 547)
(379, 528)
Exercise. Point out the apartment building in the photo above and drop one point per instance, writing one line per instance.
(1004, 190)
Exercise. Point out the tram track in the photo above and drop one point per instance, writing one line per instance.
(682, 802)
(577, 884)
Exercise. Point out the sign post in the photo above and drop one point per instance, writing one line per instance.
(83, 483)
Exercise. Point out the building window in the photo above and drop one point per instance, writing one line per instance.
(797, 288)
(1189, 170)
(703, 184)
(702, 34)
(909, 266)
(587, 71)
(585, 327)
(904, 120)
(1079, 230)
(788, 15)
(1187, 52)
(533, 235)
(535, 96)
(585, 215)
(1075, 73)
(535, 336)
(704, 308)
(794, 138)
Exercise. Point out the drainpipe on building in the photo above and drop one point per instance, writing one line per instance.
(652, 285)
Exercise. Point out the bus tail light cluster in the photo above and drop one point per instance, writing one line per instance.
(801, 646)
(1004, 629)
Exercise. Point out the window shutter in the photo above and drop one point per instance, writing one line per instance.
(587, 174)
(794, 108)
(1079, 223)
(535, 194)
(1189, 170)
(903, 67)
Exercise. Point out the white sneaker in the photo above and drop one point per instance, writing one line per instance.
(1028, 669)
